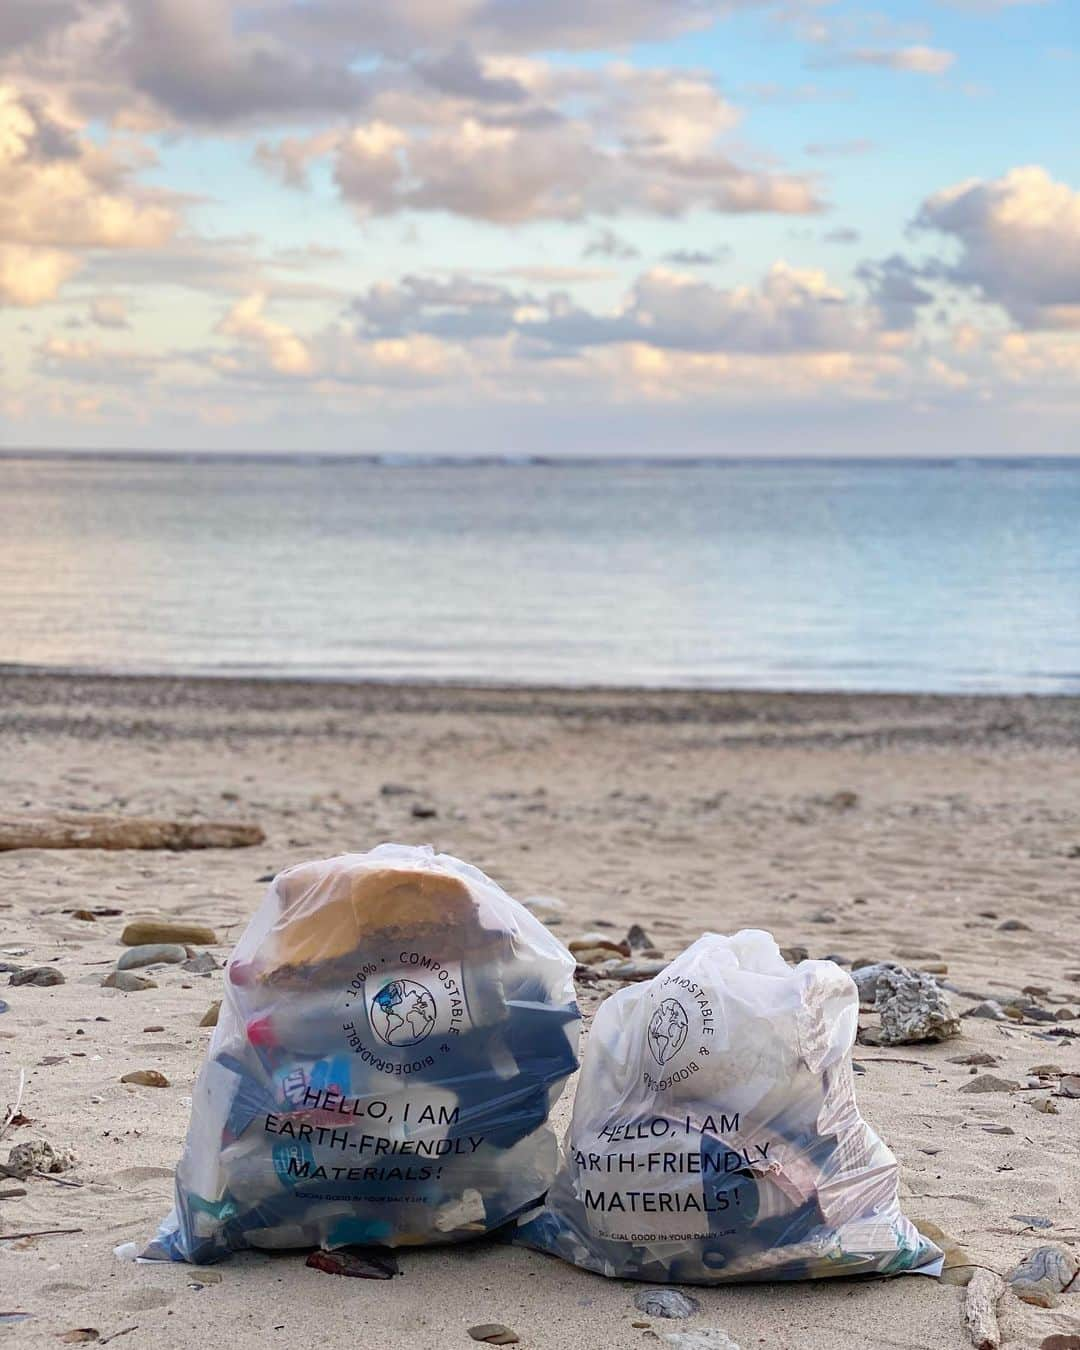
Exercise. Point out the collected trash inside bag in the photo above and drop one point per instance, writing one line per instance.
(715, 1134)
(393, 1033)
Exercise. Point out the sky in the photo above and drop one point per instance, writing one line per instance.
(519, 227)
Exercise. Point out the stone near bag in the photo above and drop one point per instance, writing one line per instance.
(715, 1134)
(393, 1033)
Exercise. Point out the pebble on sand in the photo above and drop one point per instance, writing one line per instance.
(638, 969)
(144, 931)
(866, 979)
(149, 954)
(638, 939)
(145, 1078)
(1042, 1276)
(494, 1333)
(210, 1016)
(38, 1155)
(707, 1338)
(913, 1008)
(958, 1266)
(590, 942)
(988, 1082)
(666, 1303)
(39, 976)
(202, 963)
(127, 982)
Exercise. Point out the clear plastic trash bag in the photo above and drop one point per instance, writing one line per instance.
(393, 1033)
(715, 1134)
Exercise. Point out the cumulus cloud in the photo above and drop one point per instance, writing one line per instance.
(196, 61)
(281, 348)
(61, 194)
(362, 27)
(562, 144)
(791, 310)
(58, 189)
(31, 276)
(1019, 242)
(898, 288)
(462, 308)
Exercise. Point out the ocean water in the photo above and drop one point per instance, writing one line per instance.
(824, 575)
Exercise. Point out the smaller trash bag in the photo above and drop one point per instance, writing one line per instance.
(715, 1135)
(393, 1033)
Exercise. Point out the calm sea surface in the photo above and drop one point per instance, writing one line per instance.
(883, 575)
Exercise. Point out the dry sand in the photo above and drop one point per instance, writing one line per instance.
(681, 812)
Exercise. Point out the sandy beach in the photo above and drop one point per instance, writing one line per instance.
(884, 827)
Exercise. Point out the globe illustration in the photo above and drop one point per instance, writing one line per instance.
(667, 1030)
(403, 1013)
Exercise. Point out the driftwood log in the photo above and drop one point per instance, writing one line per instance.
(120, 832)
(980, 1309)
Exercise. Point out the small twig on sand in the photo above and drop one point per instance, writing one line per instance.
(106, 1339)
(57, 1181)
(13, 1110)
(38, 1232)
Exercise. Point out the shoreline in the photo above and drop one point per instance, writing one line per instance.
(12, 671)
(57, 702)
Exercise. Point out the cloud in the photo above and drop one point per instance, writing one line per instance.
(607, 244)
(109, 311)
(85, 359)
(897, 288)
(1019, 243)
(32, 276)
(791, 310)
(461, 308)
(60, 195)
(581, 143)
(58, 189)
(199, 61)
(278, 345)
(360, 28)
(916, 59)
(696, 257)
(824, 149)
(27, 21)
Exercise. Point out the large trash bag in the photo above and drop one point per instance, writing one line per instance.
(715, 1134)
(394, 1031)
